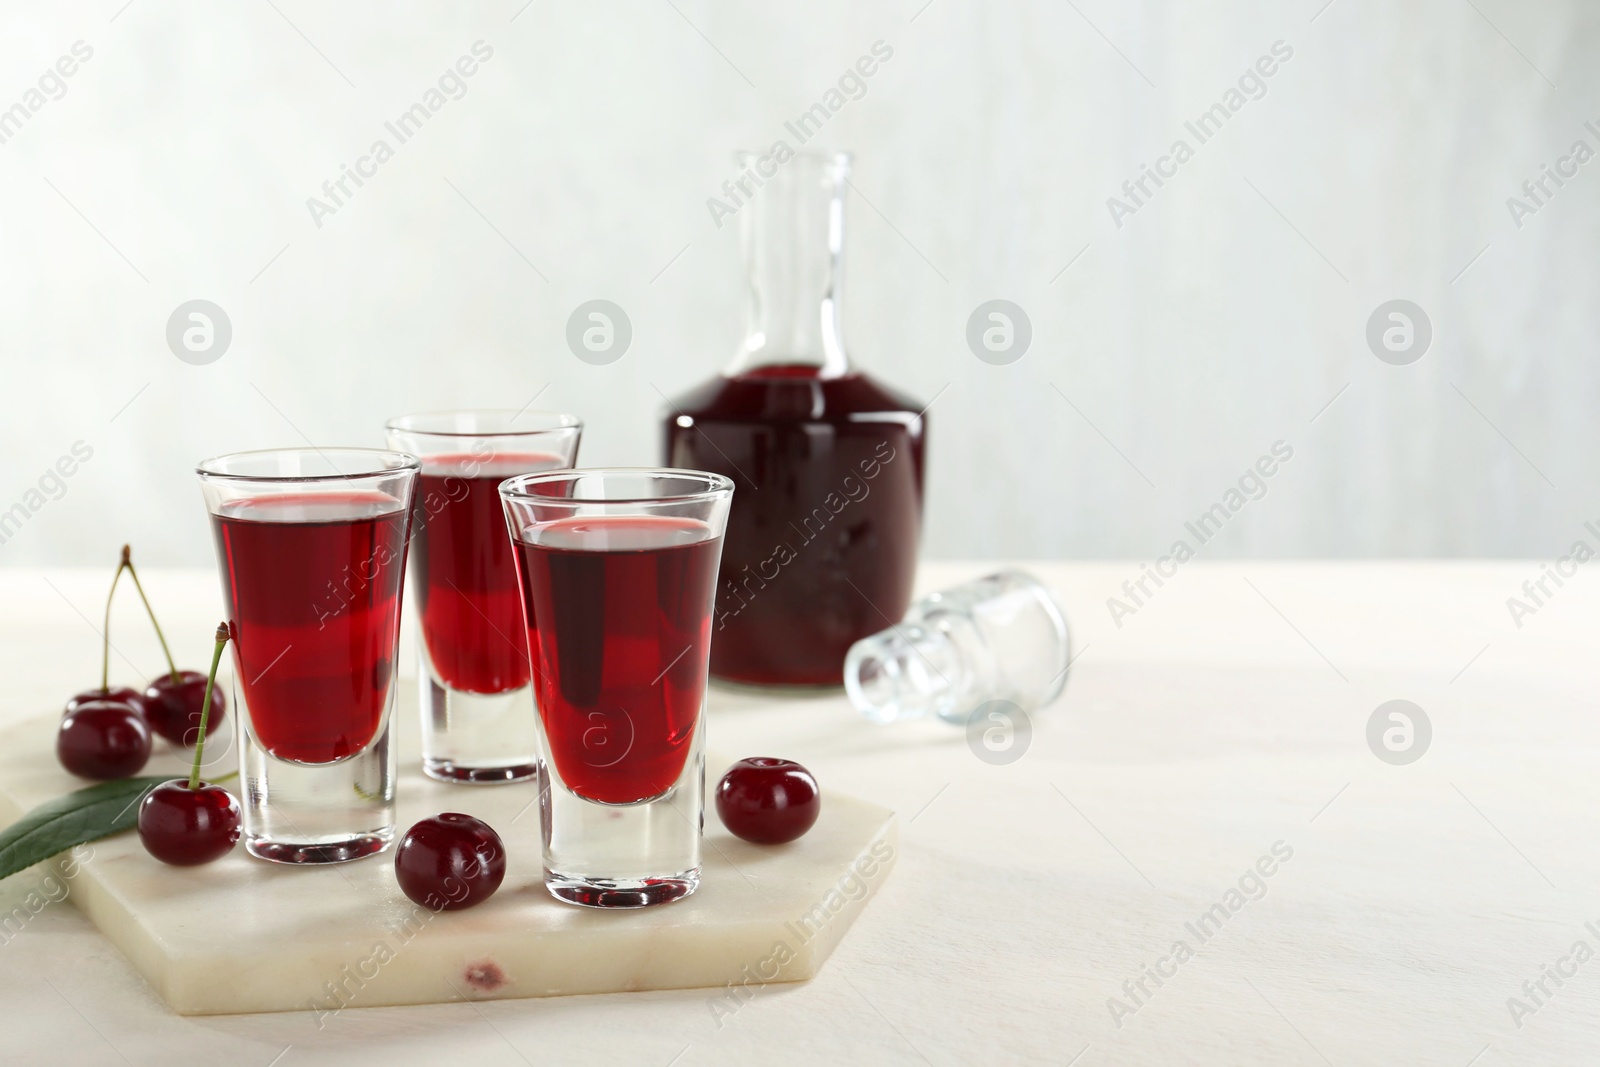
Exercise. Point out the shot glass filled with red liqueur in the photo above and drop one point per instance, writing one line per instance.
(477, 706)
(311, 546)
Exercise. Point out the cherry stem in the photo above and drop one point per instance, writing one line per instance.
(205, 706)
(105, 633)
(127, 561)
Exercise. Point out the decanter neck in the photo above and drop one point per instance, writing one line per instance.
(792, 228)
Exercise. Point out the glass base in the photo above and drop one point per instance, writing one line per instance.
(622, 892)
(634, 855)
(476, 738)
(460, 774)
(317, 813)
(353, 848)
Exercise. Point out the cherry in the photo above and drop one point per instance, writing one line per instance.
(186, 823)
(174, 707)
(175, 703)
(450, 862)
(120, 694)
(103, 739)
(768, 801)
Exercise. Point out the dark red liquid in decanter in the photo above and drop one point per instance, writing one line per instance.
(822, 536)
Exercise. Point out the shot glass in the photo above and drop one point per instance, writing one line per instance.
(311, 545)
(618, 572)
(477, 707)
(1002, 637)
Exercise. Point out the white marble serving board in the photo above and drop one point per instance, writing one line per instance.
(242, 935)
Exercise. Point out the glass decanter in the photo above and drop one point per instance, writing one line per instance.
(827, 463)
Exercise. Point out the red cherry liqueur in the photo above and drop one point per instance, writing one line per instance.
(827, 463)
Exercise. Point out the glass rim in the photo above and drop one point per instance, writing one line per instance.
(392, 462)
(716, 485)
(407, 423)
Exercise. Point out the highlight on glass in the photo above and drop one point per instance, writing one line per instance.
(477, 707)
(311, 546)
(618, 570)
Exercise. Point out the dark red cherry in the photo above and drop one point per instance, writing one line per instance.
(120, 694)
(187, 827)
(102, 739)
(450, 862)
(768, 801)
(173, 708)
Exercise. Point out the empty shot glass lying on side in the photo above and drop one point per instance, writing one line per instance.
(1000, 637)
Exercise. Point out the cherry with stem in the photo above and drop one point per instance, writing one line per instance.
(186, 823)
(172, 666)
(205, 706)
(176, 702)
(105, 628)
(133, 699)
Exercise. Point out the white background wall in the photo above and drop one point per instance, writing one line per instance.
(1222, 317)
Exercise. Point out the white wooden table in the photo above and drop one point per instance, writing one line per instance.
(1225, 717)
